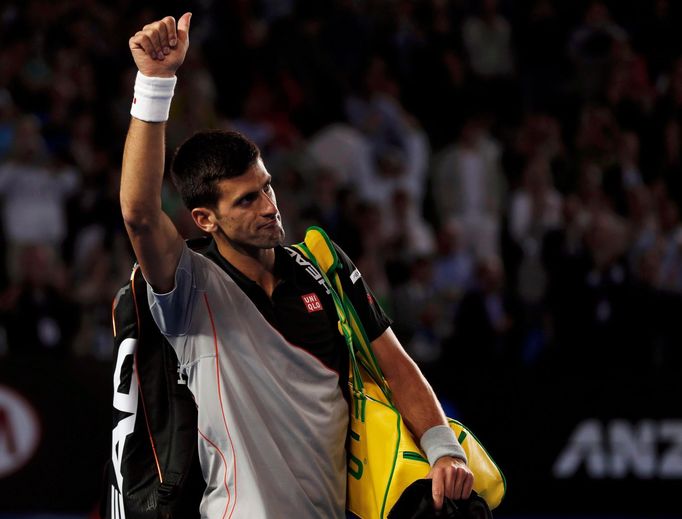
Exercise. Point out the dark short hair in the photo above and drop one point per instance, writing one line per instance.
(206, 158)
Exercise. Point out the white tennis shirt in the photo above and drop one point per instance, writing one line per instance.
(272, 420)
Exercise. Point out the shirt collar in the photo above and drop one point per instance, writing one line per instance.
(284, 264)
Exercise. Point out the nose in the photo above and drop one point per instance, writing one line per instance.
(268, 204)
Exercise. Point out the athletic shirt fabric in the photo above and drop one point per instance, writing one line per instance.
(264, 372)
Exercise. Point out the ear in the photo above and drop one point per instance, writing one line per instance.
(205, 219)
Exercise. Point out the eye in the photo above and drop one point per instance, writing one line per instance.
(268, 187)
(247, 199)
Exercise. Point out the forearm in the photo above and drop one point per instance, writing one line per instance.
(415, 399)
(142, 175)
(156, 242)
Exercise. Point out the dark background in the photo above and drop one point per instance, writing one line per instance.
(507, 176)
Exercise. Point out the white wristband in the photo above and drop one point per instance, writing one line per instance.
(152, 99)
(440, 441)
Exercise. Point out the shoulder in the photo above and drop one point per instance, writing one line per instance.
(346, 268)
(343, 257)
(196, 262)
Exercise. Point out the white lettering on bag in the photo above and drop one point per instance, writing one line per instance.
(126, 402)
(309, 268)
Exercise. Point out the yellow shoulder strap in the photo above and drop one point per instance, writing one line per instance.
(320, 246)
(319, 249)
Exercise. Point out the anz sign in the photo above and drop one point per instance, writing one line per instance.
(619, 449)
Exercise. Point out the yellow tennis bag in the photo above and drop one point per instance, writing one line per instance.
(384, 458)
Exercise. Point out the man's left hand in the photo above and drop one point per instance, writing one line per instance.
(451, 478)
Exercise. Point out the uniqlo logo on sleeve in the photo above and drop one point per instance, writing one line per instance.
(312, 302)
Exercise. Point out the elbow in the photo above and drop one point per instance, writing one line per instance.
(138, 220)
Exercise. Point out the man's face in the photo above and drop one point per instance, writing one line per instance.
(247, 211)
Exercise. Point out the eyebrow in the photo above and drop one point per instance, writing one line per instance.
(239, 198)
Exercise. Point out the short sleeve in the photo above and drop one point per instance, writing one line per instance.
(172, 311)
(373, 318)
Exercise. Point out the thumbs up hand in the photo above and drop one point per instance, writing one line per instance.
(160, 47)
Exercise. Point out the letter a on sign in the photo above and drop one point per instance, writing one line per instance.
(19, 431)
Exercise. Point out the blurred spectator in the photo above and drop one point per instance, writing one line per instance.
(407, 235)
(453, 264)
(534, 209)
(484, 322)
(590, 46)
(468, 185)
(488, 43)
(611, 319)
(624, 176)
(670, 273)
(7, 120)
(37, 314)
(344, 151)
(194, 102)
(371, 241)
(34, 194)
(629, 90)
(330, 207)
(417, 313)
(265, 123)
(539, 134)
(645, 240)
(487, 39)
(399, 171)
(542, 56)
(453, 271)
(398, 145)
(656, 35)
(597, 135)
(375, 110)
(566, 261)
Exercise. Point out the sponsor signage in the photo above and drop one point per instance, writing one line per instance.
(19, 431)
(619, 449)
(55, 433)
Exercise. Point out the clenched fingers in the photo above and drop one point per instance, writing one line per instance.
(157, 38)
(449, 485)
(141, 40)
(153, 32)
(171, 31)
(462, 479)
(468, 486)
(451, 478)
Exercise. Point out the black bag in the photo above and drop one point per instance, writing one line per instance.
(416, 502)
(154, 467)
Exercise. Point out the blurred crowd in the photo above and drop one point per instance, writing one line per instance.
(507, 175)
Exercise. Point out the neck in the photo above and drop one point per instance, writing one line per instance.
(255, 263)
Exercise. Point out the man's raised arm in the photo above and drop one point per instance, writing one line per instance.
(158, 50)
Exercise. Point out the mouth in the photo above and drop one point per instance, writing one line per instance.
(270, 225)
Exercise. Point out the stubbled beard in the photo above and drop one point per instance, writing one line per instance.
(257, 242)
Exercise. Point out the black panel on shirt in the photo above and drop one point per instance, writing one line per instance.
(302, 311)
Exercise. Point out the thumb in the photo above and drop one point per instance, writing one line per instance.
(437, 489)
(183, 26)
